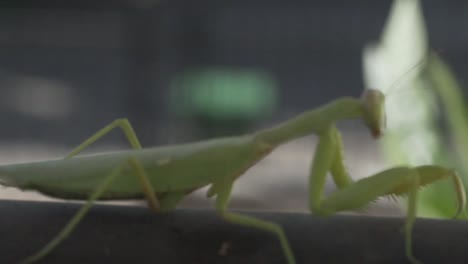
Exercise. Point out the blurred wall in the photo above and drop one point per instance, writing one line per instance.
(67, 69)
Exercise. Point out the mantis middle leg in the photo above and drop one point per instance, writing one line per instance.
(223, 192)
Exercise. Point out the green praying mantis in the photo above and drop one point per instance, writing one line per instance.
(164, 175)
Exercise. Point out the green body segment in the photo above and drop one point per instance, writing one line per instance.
(174, 168)
(171, 168)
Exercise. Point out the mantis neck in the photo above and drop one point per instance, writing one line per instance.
(313, 121)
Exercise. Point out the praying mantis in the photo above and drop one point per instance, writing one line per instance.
(164, 175)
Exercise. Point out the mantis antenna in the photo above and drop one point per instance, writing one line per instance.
(421, 62)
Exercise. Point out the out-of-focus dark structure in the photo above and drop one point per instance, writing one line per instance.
(68, 68)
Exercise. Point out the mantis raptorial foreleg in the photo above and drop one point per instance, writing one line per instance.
(395, 181)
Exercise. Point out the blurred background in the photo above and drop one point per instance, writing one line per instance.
(186, 70)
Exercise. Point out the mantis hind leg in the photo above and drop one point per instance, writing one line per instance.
(122, 123)
(223, 192)
(76, 219)
(129, 132)
(150, 194)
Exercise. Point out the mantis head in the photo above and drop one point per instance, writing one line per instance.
(373, 102)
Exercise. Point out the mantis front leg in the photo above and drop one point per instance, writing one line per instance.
(355, 195)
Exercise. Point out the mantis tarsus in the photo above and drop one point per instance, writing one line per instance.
(164, 175)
